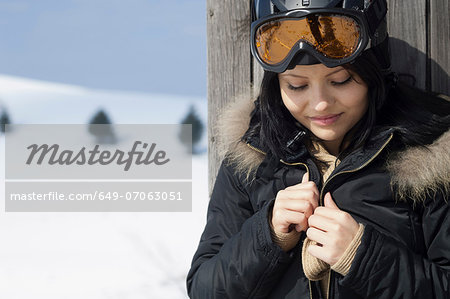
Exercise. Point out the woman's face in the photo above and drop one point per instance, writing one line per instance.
(327, 101)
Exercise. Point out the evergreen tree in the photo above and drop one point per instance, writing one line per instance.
(197, 129)
(103, 133)
(4, 120)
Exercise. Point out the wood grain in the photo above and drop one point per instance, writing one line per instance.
(439, 40)
(229, 71)
(407, 29)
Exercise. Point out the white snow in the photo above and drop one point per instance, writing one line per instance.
(97, 255)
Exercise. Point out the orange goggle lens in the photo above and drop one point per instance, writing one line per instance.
(334, 36)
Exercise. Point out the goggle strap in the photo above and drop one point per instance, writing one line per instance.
(305, 4)
(375, 14)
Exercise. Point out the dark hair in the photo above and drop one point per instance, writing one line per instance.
(419, 117)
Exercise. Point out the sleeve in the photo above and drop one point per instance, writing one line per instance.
(236, 257)
(385, 268)
(286, 241)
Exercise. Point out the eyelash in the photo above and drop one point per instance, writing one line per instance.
(343, 82)
(291, 87)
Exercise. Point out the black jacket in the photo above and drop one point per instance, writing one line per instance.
(404, 251)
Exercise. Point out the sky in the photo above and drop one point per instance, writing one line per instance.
(141, 45)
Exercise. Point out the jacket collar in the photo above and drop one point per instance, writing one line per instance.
(364, 155)
(428, 164)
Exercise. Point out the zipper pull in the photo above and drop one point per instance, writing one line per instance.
(292, 144)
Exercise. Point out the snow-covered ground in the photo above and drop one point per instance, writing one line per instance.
(97, 255)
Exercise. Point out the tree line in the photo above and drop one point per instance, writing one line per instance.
(106, 135)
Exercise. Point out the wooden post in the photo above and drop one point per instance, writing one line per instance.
(439, 39)
(408, 32)
(419, 46)
(229, 72)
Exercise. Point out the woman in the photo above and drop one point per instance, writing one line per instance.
(335, 181)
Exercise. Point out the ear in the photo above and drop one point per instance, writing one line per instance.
(329, 202)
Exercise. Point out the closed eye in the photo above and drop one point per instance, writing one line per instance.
(343, 82)
(291, 87)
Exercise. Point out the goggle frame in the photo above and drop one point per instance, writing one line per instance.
(302, 46)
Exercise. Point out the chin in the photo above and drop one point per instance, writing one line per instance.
(326, 136)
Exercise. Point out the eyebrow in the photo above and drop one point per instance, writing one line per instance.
(299, 76)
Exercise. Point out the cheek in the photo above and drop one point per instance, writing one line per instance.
(294, 104)
(357, 100)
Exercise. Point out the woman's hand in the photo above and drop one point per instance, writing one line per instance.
(294, 205)
(333, 229)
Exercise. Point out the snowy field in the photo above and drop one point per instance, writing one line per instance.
(97, 255)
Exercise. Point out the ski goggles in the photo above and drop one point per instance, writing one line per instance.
(333, 36)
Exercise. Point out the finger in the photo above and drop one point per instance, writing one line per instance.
(330, 213)
(322, 223)
(317, 235)
(305, 177)
(292, 196)
(302, 185)
(329, 202)
(300, 227)
(310, 193)
(303, 206)
(338, 221)
(282, 220)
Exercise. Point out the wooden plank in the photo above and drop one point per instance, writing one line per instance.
(228, 31)
(407, 29)
(438, 43)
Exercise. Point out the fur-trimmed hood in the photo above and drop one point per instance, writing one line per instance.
(415, 172)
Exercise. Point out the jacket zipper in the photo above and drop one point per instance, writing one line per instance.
(324, 185)
(281, 160)
(307, 171)
(329, 179)
(295, 164)
(329, 284)
(290, 164)
(310, 290)
(356, 169)
(349, 171)
(256, 149)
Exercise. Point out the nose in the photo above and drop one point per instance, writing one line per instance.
(322, 98)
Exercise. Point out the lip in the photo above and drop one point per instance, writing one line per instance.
(325, 119)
